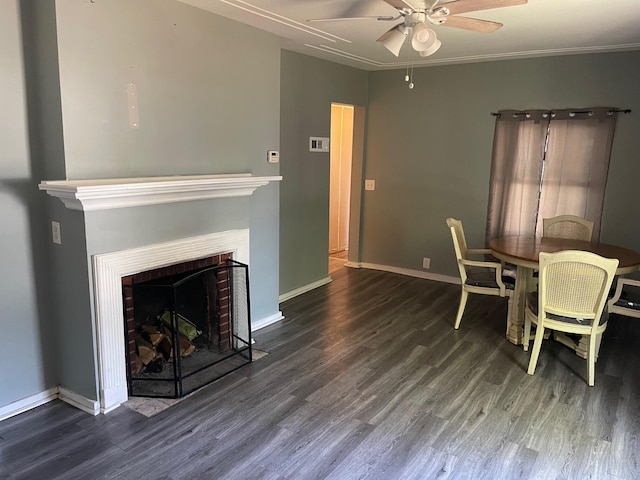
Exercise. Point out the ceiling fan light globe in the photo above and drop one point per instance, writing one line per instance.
(423, 38)
(430, 51)
(395, 39)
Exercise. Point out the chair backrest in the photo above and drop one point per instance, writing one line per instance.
(459, 244)
(575, 284)
(567, 226)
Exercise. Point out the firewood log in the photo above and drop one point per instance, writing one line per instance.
(147, 355)
(154, 334)
(186, 347)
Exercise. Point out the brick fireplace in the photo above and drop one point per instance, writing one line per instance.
(182, 325)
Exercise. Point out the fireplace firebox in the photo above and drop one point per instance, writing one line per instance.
(186, 325)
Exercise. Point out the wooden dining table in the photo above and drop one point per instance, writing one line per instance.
(524, 253)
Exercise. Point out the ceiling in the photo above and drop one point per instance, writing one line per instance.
(539, 28)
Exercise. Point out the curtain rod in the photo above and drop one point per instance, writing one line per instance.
(613, 110)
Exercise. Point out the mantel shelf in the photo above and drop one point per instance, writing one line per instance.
(106, 194)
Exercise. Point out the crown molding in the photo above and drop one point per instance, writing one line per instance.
(106, 194)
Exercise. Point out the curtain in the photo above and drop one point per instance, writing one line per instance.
(576, 166)
(518, 151)
(547, 164)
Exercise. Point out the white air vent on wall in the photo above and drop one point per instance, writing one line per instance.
(318, 144)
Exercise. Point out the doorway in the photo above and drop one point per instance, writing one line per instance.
(341, 158)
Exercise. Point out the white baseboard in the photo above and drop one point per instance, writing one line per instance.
(28, 403)
(405, 271)
(304, 289)
(263, 322)
(79, 401)
(72, 398)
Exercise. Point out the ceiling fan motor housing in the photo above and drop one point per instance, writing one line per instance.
(414, 19)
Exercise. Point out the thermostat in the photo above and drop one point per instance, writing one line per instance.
(273, 156)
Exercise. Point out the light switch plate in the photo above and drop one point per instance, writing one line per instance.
(318, 144)
(369, 184)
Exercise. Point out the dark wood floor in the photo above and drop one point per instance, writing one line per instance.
(337, 261)
(366, 378)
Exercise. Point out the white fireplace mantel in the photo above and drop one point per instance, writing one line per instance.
(104, 194)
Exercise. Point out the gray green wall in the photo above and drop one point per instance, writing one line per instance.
(308, 87)
(27, 341)
(203, 110)
(429, 149)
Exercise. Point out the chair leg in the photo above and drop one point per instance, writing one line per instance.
(591, 360)
(598, 341)
(537, 344)
(463, 303)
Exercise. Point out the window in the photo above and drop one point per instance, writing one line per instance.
(547, 164)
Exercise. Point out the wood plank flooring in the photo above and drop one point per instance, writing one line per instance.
(366, 379)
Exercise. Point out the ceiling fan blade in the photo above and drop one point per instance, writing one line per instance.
(382, 18)
(473, 24)
(465, 6)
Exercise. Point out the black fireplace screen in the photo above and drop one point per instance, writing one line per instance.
(185, 330)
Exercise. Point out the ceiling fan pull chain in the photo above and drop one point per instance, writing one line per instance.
(411, 78)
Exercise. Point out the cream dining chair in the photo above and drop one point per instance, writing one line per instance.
(626, 299)
(477, 276)
(567, 226)
(572, 295)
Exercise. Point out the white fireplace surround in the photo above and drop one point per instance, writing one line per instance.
(108, 270)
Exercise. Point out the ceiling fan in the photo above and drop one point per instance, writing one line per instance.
(416, 14)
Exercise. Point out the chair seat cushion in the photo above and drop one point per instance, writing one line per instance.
(532, 304)
(485, 277)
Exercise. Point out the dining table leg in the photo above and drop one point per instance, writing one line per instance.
(515, 319)
(583, 346)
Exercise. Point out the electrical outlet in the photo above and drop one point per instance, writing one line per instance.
(55, 233)
(369, 184)
(426, 263)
